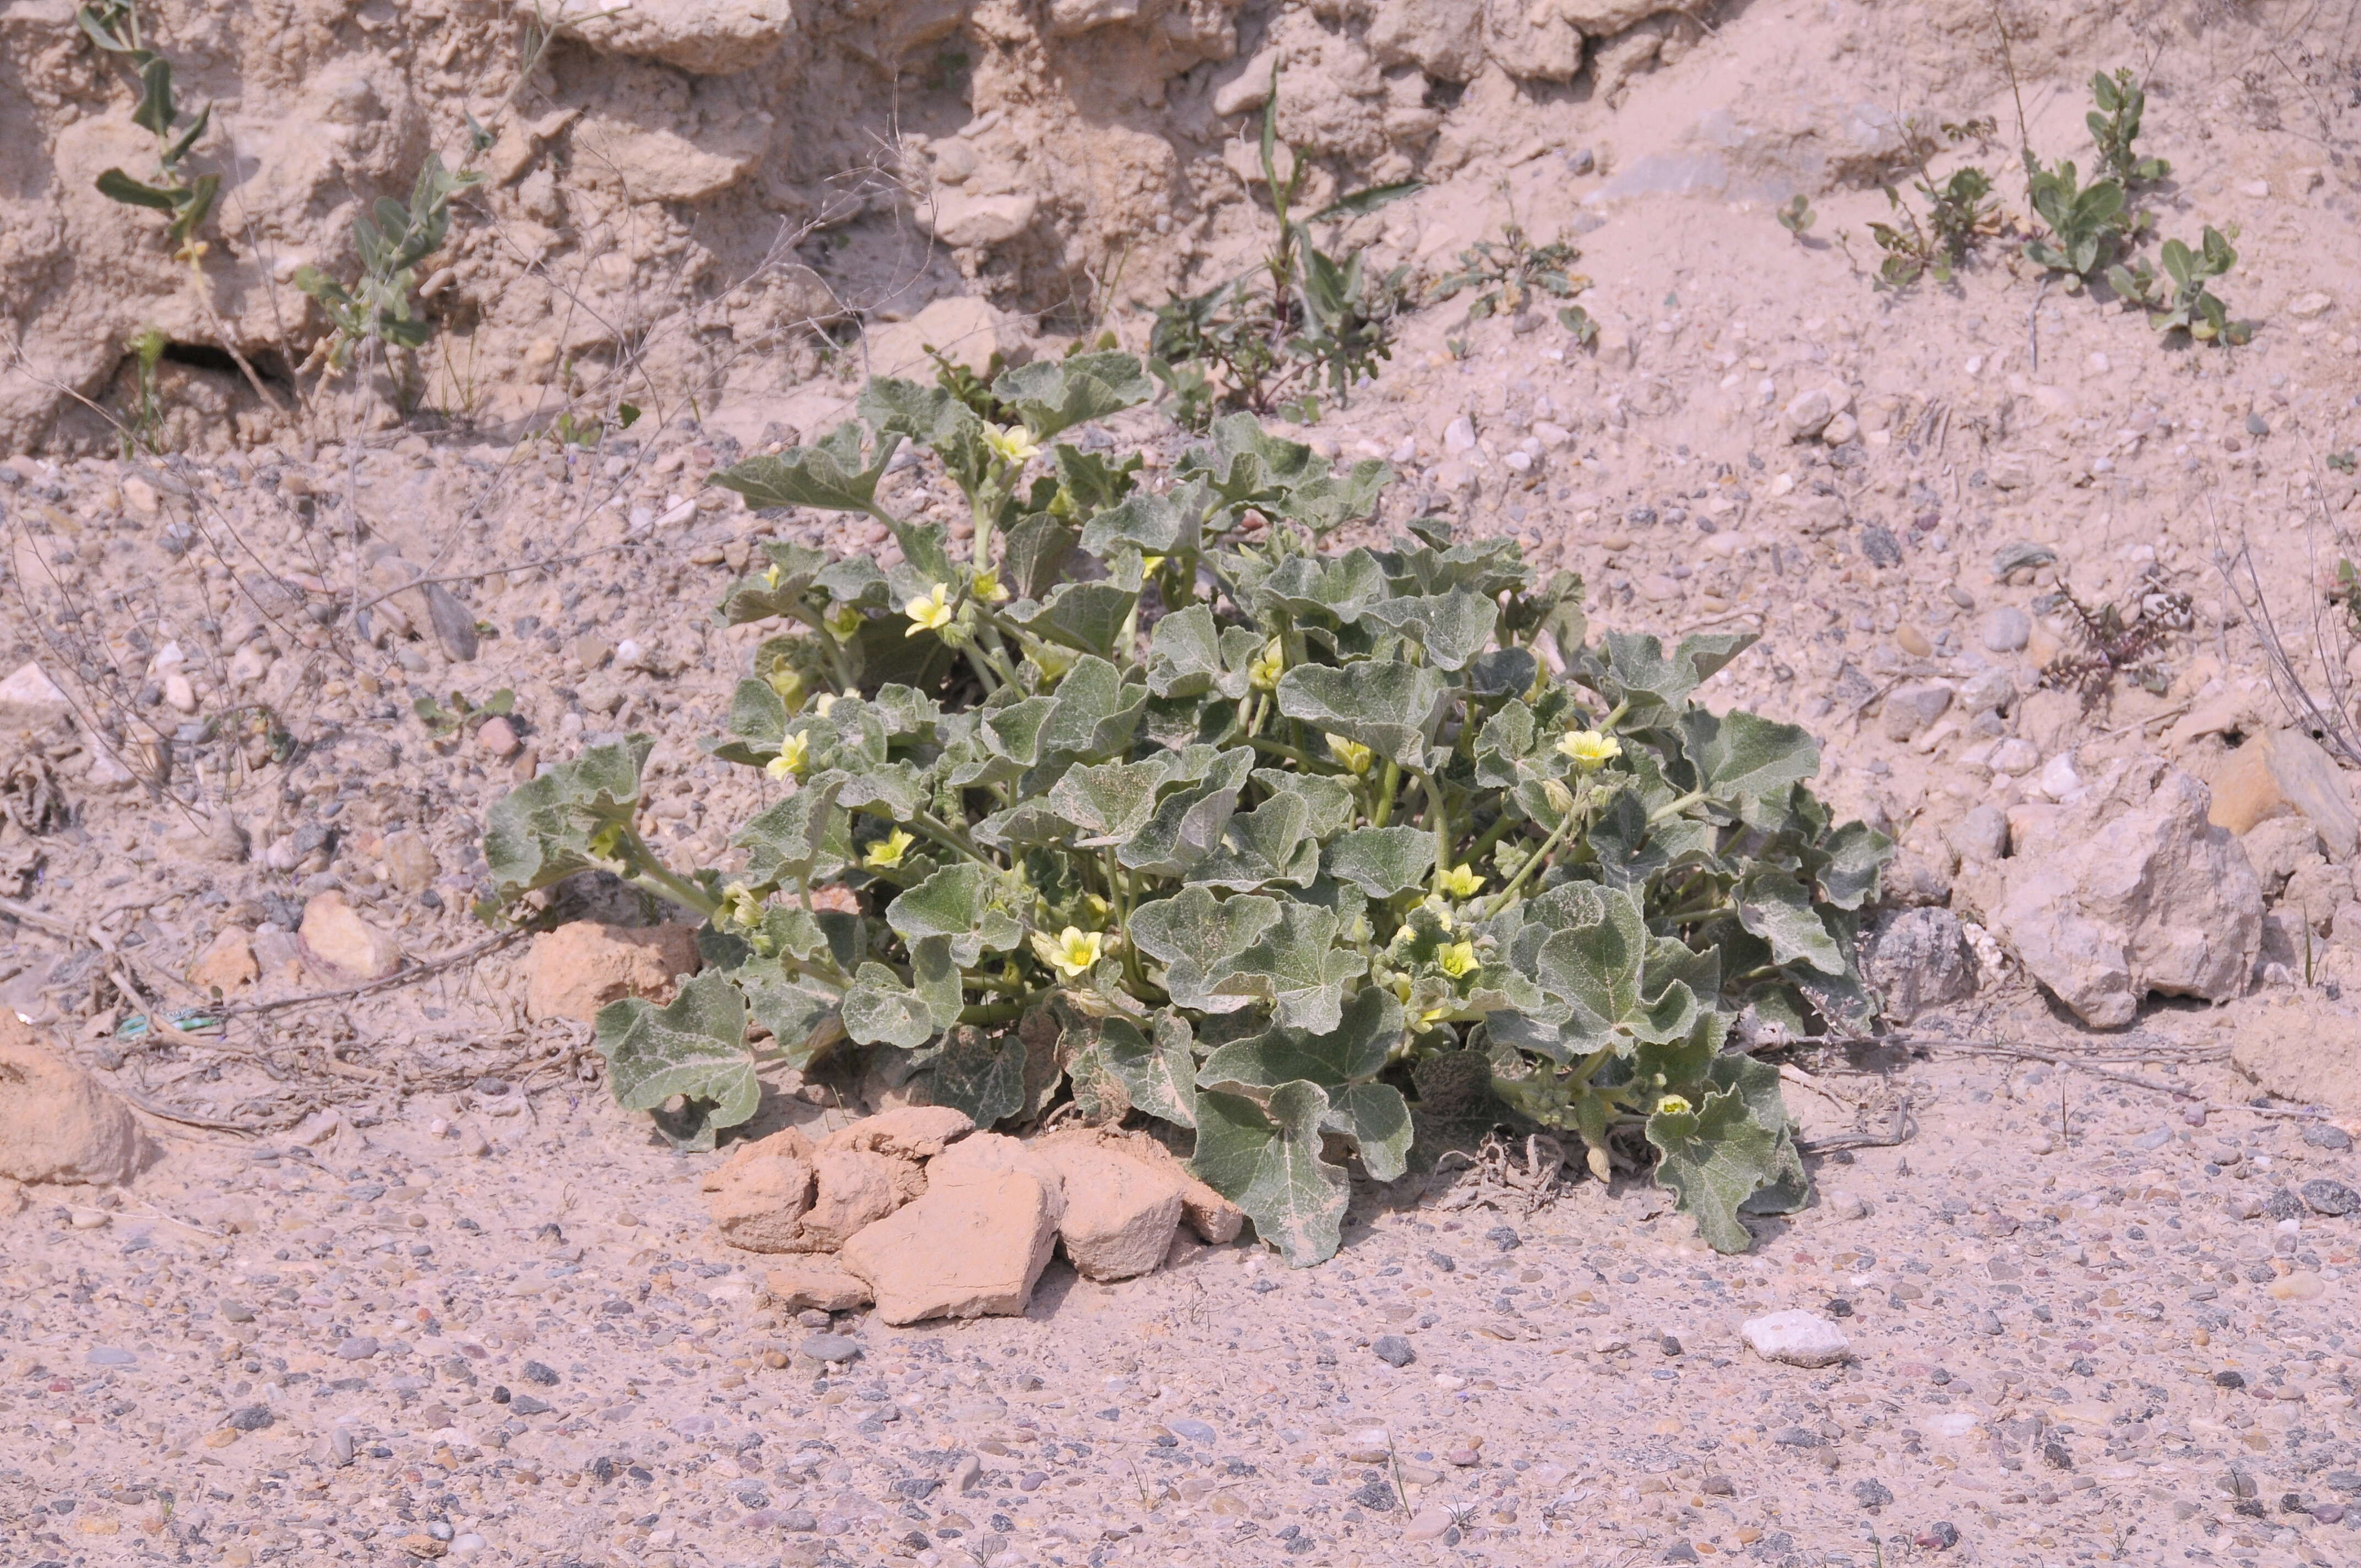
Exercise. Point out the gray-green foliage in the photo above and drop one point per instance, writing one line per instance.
(113, 26)
(1172, 812)
(376, 306)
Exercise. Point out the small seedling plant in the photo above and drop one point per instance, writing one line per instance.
(1158, 807)
(2085, 221)
(1798, 217)
(2115, 128)
(1272, 339)
(1959, 214)
(2183, 300)
(1506, 274)
(378, 307)
(113, 26)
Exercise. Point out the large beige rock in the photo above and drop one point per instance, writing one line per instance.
(658, 163)
(908, 1132)
(2132, 891)
(759, 1195)
(854, 1188)
(577, 969)
(56, 1123)
(706, 37)
(966, 219)
(1443, 38)
(30, 702)
(226, 963)
(962, 328)
(2283, 772)
(1533, 42)
(342, 945)
(980, 1154)
(2301, 1047)
(970, 1247)
(818, 1281)
(1214, 1218)
(1120, 1213)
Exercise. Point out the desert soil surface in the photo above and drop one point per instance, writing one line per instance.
(396, 1282)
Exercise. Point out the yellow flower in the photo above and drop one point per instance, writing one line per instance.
(740, 907)
(1263, 673)
(1457, 960)
(788, 683)
(1672, 1105)
(1457, 883)
(771, 575)
(1011, 443)
(1589, 748)
(887, 852)
(929, 611)
(844, 621)
(794, 751)
(1352, 753)
(1071, 952)
(822, 703)
(1148, 564)
(989, 589)
(1432, 1017)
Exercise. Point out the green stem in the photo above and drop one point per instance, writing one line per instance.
(951, 838)
(1388, 783)
(1674, 807)
(1615, 715)
(1282, 749)
(1500, 899)
(1438, 820)
(650, 874)
(1501, 829)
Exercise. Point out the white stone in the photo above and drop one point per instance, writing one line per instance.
(2014, 757)
(959, 219)
(30, 700)
(1459, 436)
(2058, 780)
(1797, 1337)
(2304, 307)
(1807, 414)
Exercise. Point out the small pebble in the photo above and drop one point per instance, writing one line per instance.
(1393, 1350)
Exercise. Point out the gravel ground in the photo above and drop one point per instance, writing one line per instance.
(2067, 1345)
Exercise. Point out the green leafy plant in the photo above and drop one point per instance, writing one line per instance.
(142, 428)
(1576, 321)
(1960, 213)
(1507, 273)
(1303, 318)
(2343, 462)
(585, 431)
(377, 307)
(462, 717)
(113, 26)
(1798, 217)
(2188, 304)
(2116, 125)
(1152, 806)
(2081, 218)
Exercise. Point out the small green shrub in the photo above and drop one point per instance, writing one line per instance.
(1798, 217)
(1154, 807)
(377, 307)
(2082, 220)
(113, 26)
(2188, 304)
(1507, 273)
(1960, 213)
(2115, 127)
(1274, 336)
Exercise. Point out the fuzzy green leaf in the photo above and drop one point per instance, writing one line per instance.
(1269, 1164)
(966, 905)
(834, 476)
(694, 1047)
(1381, 861)
(1389, 705)
(541, 831)
(1740, 756)
(1271, 845)
(1376, 1118)
(1637, 669)
(880, 1010)
(804, 1020)
(1355, 1049)
(981, 1074)
(1144, 521)
(1774, 906)
(1196, 935)
(1160, 1074)
(1297, 966)
(1714, 1158)
(803, 839)
(1452, 628)
(1051, 395)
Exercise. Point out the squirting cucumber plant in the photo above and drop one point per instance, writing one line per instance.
(1152, 806)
